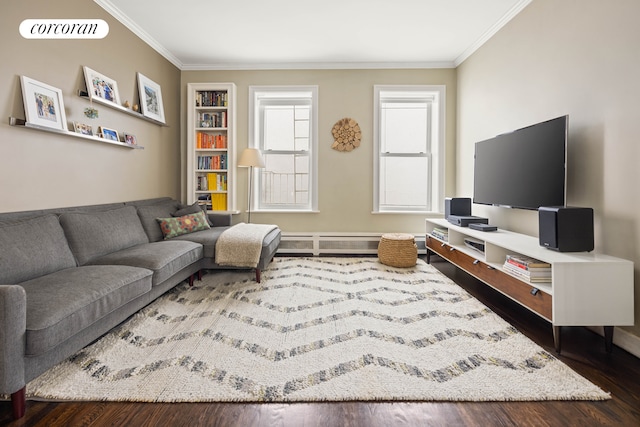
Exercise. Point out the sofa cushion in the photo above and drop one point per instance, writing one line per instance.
(32, 247)
(164, 258)
(172, 227)
(93, 234)
(207, 238)
(149, 213)
(64, 303)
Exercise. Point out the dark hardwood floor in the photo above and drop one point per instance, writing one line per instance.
(583, 350)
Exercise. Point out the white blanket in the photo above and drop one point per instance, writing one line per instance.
(240, 245)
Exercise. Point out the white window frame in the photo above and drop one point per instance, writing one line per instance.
(436, 146)
(256, 93)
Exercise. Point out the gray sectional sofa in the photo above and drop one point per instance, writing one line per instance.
(68, 276)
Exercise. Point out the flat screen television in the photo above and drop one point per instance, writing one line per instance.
(523, 169)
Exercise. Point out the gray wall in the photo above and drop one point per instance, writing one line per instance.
(580, 58)
(43, 170)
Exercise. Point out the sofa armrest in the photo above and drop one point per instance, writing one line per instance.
(220, 219)
(13, 326)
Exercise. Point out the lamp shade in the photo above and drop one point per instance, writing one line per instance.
(251, 157)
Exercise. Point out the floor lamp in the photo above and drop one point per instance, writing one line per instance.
(250, 158)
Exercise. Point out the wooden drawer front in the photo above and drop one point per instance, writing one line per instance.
(520, 291)
(437, 247)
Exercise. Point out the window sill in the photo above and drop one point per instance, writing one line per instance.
(270, 211)
(428, 214)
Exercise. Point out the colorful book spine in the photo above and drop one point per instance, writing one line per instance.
(526, 262)
(212, 98)
(219, 202)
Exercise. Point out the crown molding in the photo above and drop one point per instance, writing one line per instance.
(511, 13)
(134, 28)
(318, 66)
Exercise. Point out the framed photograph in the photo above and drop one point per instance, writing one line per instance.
(150, 98)
(109, 134)
(101, 87)
(130, 139)
(83, 128)
(43, 104)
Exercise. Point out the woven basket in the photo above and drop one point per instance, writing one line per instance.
(398, 250)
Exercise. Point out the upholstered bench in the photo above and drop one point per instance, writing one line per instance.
(270, 245)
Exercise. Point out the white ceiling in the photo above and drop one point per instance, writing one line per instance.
(296, 34)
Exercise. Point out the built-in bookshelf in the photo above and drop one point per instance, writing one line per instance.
(211, 145)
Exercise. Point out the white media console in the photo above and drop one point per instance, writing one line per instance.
(586, 289)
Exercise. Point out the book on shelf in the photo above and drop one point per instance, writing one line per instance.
(202, 183)
(526, 262)
(213, 202)
(534, 272)
(528, 275)
(440, 233)
(212, 98)
(211, 181)
(219, 202)
(204, 201)
(217, 162)
(216, 119)
(216, 181)
(207, 140)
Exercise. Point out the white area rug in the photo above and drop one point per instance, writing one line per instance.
(315, 329)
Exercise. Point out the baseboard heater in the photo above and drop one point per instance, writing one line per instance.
(321, 243)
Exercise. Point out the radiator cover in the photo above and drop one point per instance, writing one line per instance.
(320, 243)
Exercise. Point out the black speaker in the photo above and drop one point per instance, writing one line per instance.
(459, 206)
(566, 229)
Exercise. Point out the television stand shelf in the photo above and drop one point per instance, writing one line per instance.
(586, 289)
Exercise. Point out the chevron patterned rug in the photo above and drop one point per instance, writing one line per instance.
(315, 329)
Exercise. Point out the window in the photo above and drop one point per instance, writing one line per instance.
(282, 124)
(408, 148)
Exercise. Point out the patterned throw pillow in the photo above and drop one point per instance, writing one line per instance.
(172, 227)
(191, 209)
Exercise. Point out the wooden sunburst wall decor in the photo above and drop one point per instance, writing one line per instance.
(346, 135)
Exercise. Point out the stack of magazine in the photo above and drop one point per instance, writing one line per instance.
(529, 269)
(440, 233)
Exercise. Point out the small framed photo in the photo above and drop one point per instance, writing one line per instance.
(43, 104)
(109, 134)
(82, 128)
(130, 139)
(101, 87)
(150, 98)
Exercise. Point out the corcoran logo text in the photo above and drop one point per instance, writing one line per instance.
(64, 29)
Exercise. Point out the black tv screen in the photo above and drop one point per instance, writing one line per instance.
(523, 169)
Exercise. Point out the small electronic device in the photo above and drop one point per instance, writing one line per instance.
(460, 206)
(472, 243)
(464, 221)
(482, 227)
